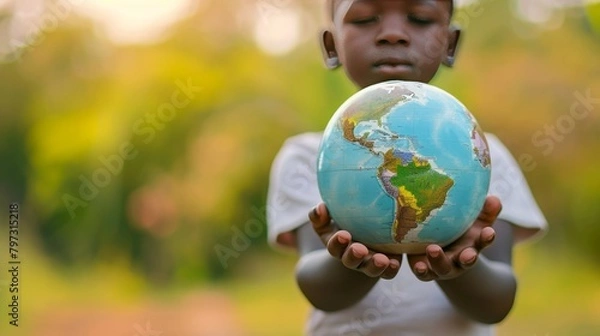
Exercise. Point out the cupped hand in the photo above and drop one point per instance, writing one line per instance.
(458, 257)
(353, 255)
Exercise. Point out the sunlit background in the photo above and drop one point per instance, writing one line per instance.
(137, 138)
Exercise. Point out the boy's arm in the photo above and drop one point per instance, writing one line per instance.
(324, 280)
(338, 275)
(487, 291)
(482, 286)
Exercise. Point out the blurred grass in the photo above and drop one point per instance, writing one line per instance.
(558, 295)
(269, 302)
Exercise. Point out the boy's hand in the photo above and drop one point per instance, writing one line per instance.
(458, 257)
(353, 255)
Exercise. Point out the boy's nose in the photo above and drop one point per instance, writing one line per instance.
(393, 30)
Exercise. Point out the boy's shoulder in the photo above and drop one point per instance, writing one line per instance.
(301, 144)
(305, 139)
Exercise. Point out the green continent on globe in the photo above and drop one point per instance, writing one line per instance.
(411, 181)
(416, 187)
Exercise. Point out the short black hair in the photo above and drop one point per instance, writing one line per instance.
(330, 7)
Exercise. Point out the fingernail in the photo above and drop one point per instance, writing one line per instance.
(471, 260)
(378, 263)
(435, 253)
(313, 212)
(312, 215)
(420, 269)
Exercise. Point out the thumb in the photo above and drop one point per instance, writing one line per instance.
(321, 222)
(491, 209)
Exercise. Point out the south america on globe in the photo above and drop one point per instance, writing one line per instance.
(403, 165)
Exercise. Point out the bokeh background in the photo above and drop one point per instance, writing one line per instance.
(137, 138)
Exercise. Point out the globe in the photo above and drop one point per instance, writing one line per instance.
(402, 165)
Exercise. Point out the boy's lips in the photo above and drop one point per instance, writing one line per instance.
(393, 66)
(391, 61)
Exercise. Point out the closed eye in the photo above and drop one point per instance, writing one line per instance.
(419, 20)
(364, 21)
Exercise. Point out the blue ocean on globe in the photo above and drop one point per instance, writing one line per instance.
(403, 165)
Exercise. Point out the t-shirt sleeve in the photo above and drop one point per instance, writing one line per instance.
(293, 189)
(518, 204)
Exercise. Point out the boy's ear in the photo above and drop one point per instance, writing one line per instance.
(453, 41)
(330, 56)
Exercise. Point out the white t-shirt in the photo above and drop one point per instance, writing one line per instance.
(403, 305)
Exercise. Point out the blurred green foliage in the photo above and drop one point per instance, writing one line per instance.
(108, 171)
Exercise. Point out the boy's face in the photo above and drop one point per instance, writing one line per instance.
(379, 40)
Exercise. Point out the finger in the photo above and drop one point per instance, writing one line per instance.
(486, 237)
(321, 222)
(421, 271)
(491, 209)
(355, 255)
(467, 258)
(392, 270)
(338, 244)
(376, 265)
(438, 260)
